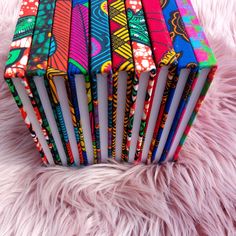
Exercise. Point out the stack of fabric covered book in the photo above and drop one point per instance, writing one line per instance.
(99, 80)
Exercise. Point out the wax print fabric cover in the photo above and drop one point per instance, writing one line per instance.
(122, 59)
(186, 60)
(78, 61)
(164, 55)
(100, 56)
(203, 53)
(17, 61)
(143, 60)
(37, 63)
(58, 65)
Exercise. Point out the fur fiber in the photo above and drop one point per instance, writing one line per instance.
(195, 196)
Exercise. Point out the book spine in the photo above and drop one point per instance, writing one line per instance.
(100, 61)
(91, 113)
(122, 59)
(78, 61)
(97, 158)
(143, 59)
(172, 80)
(111, 116)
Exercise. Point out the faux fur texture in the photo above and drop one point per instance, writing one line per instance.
(196, 196)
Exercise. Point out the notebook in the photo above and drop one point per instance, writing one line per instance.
(79, 82)
(122, 82)
(165, 59)
(207, 69)
(36, 70)
(57, 81)
(100, 74)
(185, 74)
(15, 76)
(144, 69)
(103, 80)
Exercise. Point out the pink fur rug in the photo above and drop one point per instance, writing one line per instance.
(196, 196)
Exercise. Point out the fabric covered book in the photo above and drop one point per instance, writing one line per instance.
(207, 68)
(122, 83)
(158, 88)
(36, 70)
(15, 76)
(145, 69)
(102, 80)
(100, 74)
(78, 77)
(186, 71)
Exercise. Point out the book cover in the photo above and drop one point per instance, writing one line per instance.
(122, 59)
(57, 81)
(100, 60)
(37, 63)
(15, 76)
(78, 65)
(207, 64)
(164, 56)
(187, 64)
(143, 60)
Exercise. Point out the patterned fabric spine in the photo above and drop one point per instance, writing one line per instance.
(122, 59)
(17, 62)
(100, 57)
(57, 66)
(164, 56)
(78, 59)
(37, 62)
(143, 59)
(203, 53)
(167, 98)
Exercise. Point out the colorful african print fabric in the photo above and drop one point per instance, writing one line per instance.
(38, 58)
(100, 61)
(78, 62)
(164, 55)
(57, 67)
(203, 53)
(143, 60)
(61, 39)
(17, 62)
(122, 61)
(186, 59)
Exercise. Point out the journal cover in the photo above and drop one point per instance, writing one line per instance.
(122, 61)
(78, 62)
(100, 61)
(37, 62)
(16, 65)
(164, 55)
(203, 53)
(176, 20)
(58, 66)
(186, 60)
(143, 60)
